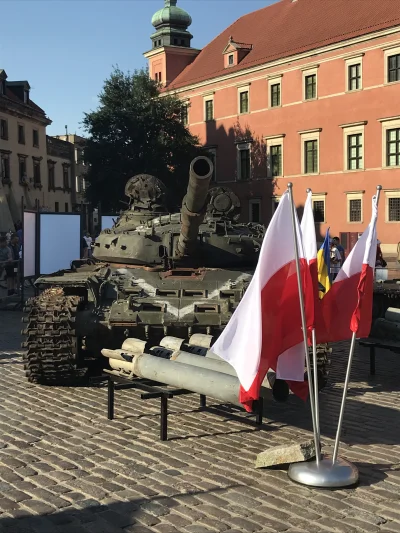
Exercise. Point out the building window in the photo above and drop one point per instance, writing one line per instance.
(3, 129)
(57, 207)
(276, 95)
(5, 168)
(311, 157)
(66, 207)
(36, 138)
(275, 204)
(355, 207)
(276, 160)
(36, 172)
(244, 102)
(21, 134)
(393, 147)
(65, 177)
(354, 151)
(230, 59)
(244, 162)
(51, 171)
(185, 115)
(394, 68)
(255, 211)
(354, 77)
(394, 209)
(310, 87)
(209, 110)
(22, 169)
(319, 210)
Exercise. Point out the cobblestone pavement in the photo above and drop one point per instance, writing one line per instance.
(65, 469)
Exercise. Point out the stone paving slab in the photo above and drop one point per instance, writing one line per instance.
(64, 468)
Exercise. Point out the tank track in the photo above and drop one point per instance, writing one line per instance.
(51, 343)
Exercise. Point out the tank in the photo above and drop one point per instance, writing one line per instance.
(155, 274)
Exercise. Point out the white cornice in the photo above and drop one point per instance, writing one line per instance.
(354, 124)
(177, 50)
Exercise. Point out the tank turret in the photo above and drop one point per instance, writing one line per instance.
(194, 204)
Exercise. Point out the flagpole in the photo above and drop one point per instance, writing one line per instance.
(348, 371)
(303, 323)
(315, 367)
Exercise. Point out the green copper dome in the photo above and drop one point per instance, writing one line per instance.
(171, 15)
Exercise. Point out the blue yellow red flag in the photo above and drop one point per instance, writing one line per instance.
(324, 266)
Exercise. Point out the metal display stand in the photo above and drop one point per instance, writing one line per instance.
(328, 472)
(152, 390)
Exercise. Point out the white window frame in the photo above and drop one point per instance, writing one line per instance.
(387, 53)
(255, 201)
(240, 147)
(348, 130)
(310, 72)
(388, 124)
(309, 135)
(274, 140)
(208, 98)
(357, 195)
(350, 62)
(274, 80)
(320, 198)
(243, 89)
(395, 193)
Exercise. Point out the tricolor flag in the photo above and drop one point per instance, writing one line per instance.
(324, 265)
(347, 307)
(265, 330)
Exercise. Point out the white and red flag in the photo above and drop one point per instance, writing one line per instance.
(265, 330)
(310, 280)
(347, 307)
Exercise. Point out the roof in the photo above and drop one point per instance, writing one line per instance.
(13, 96)
(289, 27)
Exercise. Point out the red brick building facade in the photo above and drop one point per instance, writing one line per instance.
(306, 91)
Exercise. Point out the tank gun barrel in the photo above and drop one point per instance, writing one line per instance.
(194, 203)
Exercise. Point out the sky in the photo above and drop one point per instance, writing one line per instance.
(65, 49)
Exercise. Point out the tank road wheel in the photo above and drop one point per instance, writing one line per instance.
(51, 356)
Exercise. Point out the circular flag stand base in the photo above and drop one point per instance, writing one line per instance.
(326, 475)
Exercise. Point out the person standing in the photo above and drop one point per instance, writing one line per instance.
(6, 263)
(336, 260)
(89, 241)
(340, 248)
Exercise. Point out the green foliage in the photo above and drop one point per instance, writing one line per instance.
(134, 131)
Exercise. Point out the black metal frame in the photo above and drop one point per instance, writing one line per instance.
(151, 390)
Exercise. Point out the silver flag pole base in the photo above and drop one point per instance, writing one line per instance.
(324, 475)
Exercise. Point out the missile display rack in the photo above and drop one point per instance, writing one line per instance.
(151, 390)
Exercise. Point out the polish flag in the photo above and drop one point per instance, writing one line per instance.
(347, 307)
(310, 281)
(266, 325)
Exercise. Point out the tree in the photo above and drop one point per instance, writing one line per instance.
(136, 130)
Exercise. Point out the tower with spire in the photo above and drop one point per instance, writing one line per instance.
(171, 51)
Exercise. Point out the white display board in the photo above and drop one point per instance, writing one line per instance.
(29, 245)
(60, 241)
(107, 222)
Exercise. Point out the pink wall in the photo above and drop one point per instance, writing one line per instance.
(335, 106)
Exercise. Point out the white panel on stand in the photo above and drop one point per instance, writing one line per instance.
(29, 245)
(60, 241)
(107, 222)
